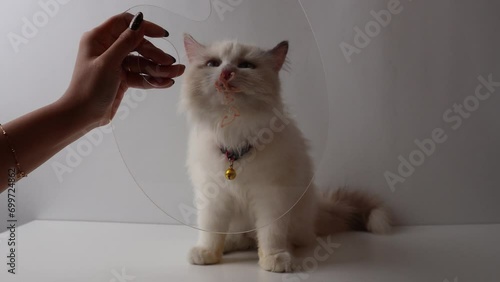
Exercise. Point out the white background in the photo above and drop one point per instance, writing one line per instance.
(394, 91)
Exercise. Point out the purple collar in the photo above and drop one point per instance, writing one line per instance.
(235, 154)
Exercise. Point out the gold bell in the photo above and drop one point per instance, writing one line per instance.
(230, 173)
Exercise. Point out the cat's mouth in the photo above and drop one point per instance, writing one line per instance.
(226, 87)
(223, 84)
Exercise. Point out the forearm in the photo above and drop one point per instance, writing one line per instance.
(39, 135)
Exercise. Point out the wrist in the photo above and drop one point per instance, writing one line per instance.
(75, 114)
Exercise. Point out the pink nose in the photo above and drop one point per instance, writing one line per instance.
(227, 75)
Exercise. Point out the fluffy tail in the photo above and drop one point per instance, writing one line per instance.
(345, 210)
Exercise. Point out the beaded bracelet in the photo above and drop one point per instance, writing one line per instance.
(20, 173)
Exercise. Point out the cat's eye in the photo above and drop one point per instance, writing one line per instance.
(246, 65)
(213, 63)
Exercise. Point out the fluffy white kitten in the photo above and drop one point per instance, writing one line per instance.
(232, 95)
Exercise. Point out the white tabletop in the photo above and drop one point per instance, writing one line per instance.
(116, 252)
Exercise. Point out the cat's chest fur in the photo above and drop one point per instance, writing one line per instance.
(275, 157)
(206, 158)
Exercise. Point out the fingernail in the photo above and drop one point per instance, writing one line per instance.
(166, 33)
(136, 21)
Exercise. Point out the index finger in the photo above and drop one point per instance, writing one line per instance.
(119, 23)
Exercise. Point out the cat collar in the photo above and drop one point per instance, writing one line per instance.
(232, 156)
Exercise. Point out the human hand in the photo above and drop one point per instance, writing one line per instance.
(105, 69)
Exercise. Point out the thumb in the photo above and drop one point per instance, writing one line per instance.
(128, 40)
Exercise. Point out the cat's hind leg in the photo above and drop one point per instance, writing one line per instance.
(239, 242)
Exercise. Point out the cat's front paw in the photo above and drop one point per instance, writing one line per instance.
(203, 256)
(280, 262)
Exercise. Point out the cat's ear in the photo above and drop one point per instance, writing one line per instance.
(192, 46)
(279, 54)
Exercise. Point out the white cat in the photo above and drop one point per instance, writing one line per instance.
(232, 95)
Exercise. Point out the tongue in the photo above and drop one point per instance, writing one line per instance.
(222, 84)
(226, 75)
